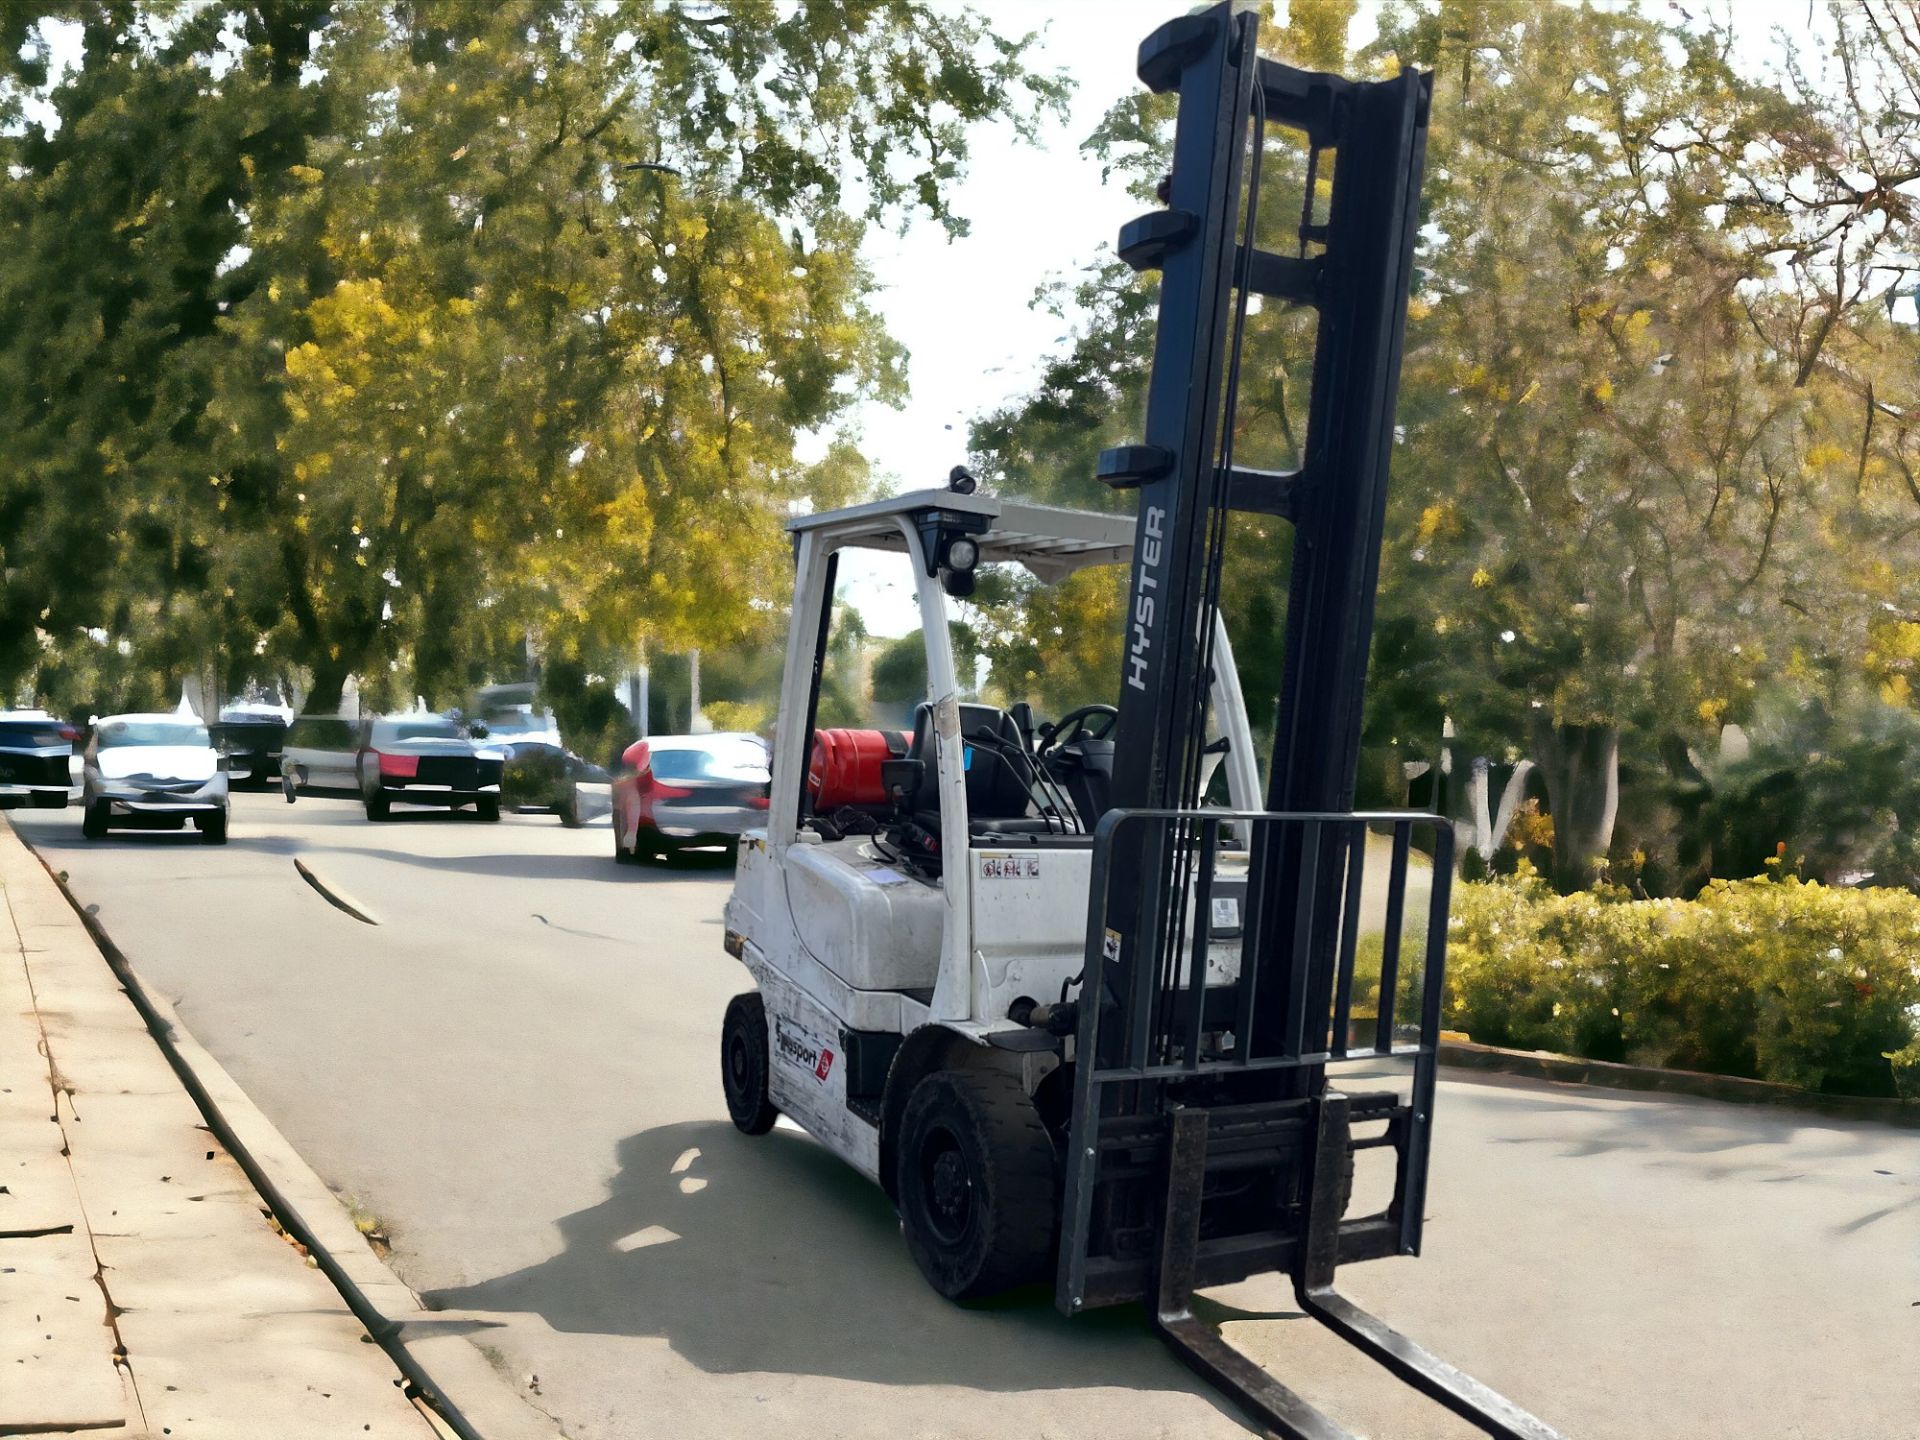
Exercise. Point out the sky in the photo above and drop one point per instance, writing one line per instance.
(965, 309)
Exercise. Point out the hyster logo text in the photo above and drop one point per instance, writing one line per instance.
(1143, 598)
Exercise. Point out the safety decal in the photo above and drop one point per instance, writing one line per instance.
(1009, 867)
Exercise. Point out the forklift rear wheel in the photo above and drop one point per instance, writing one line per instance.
(744, 1063)
(975, 1181)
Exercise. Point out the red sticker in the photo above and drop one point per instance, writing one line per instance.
(826, 1064)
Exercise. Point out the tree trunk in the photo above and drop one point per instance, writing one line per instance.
(329, 679)
(1581, 765)
(1488, 826)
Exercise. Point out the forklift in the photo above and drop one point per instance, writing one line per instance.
(1075, 1019)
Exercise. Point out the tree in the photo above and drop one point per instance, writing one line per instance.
(1619, 477)
(1632, 452)
(121, 228)
(455, 374)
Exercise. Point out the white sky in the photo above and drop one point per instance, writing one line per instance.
(965, 309)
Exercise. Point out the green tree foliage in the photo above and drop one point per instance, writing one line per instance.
(899, 675)
(375, 353)
(1832, 783)
(1655, 418)
(119, 228)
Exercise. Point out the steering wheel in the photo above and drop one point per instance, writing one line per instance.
(1094, 722)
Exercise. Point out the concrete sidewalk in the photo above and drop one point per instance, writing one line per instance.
(143, 1288)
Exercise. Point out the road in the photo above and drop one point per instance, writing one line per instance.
(515, 1071)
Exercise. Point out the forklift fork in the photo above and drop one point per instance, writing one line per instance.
(1262, 1397)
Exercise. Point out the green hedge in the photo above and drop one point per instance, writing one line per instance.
(1778, 979)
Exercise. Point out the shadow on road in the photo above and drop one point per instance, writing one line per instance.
(771, 1255)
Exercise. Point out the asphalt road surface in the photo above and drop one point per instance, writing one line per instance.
(516, 1072)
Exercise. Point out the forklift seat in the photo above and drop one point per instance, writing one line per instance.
(999, 776)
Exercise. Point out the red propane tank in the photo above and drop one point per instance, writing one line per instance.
(846, 766)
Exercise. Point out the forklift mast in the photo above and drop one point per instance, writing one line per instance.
(1205, 1143)
(1354, 270)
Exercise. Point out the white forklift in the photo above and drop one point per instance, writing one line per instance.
(907, 945)
(1078, 1022)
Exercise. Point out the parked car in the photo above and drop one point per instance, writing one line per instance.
(317, 753)
(36, 752)
(153, 772)
(519, 722)
(542, 777)
(681, 791)
(252, 738)
(427, 760)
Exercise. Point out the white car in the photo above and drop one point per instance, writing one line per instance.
(153, 772)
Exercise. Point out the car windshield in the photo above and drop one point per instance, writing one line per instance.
(740, 758)
(426, 730)
(112, 733)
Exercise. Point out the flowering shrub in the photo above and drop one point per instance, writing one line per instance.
(1779, 979)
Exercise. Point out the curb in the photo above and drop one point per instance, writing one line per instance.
(1734, 1089)
(429, 1347)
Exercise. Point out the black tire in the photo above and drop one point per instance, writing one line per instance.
(975, 1179)
(569, 811)
(379, 807)
(213, 829)
(50, 802)
(93, 824)
(487, 807)
(288, 785)
(744, 1063)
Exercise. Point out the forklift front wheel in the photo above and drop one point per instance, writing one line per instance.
(744, 1062)
(975, 1182)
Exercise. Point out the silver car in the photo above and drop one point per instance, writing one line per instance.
(153, 772)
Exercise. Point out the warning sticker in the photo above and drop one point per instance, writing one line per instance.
(1009, 867)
